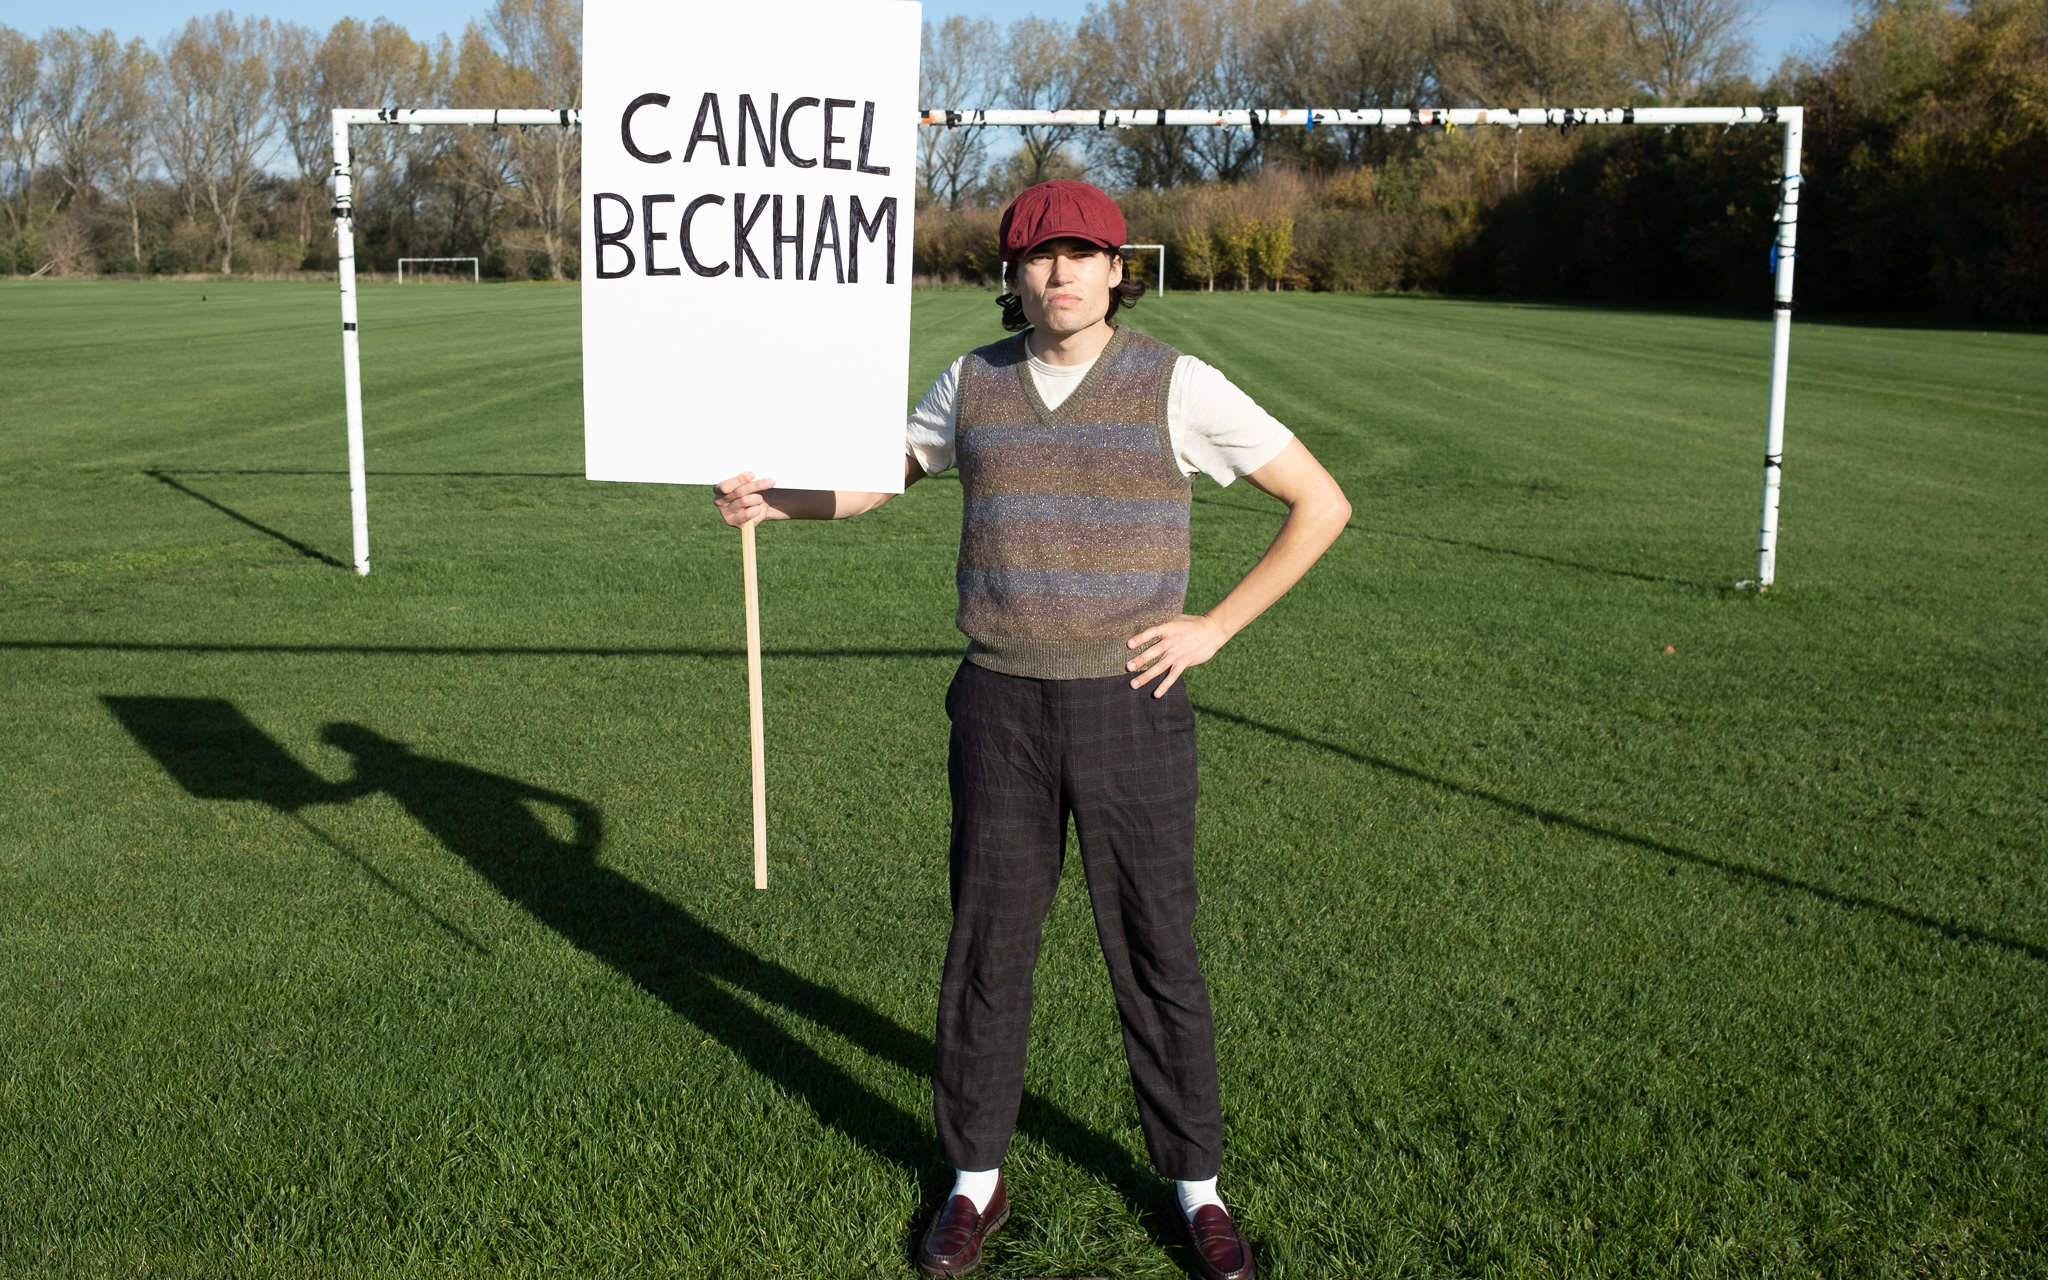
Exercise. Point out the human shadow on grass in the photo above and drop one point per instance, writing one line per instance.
(310, 553)
(212, 750)
(493, 823)
(1947, 929)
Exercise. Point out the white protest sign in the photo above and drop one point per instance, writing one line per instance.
(748, 188)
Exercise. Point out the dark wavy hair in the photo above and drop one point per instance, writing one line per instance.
(1125, 294)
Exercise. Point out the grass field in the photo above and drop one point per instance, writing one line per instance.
(402, 926)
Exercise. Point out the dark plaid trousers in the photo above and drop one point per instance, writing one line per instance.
(1024, 755)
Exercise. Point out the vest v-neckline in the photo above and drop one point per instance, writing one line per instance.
(1060, 416)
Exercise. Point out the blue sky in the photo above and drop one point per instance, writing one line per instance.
(1799, 26)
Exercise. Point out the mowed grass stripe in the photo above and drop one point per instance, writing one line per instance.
(1534, 947)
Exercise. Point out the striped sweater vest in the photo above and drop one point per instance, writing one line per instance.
(1074, 532)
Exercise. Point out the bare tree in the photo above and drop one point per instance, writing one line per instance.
(1232, 47)
(95, 98)
(1354, 53)
(957, 68)
(1150, 53)
(23, 127)
(132, 81)
(1539, 53)
(539, 44)
(1687, 44)
(1040, 71)
(360, 65)
(302, 115)
(75, 100)
(480, 166)
(214, 125)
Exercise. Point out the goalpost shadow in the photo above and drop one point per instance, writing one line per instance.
(1755, 875)
(164, 478)
(1633, 575)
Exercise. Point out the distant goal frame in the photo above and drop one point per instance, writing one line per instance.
(1162, 262)
(476, 275)
(1783, 253)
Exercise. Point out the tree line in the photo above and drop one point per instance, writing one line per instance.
(1925, 170)
(213, 150)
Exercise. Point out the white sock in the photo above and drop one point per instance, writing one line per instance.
(979, 1187)
(1193, 1195)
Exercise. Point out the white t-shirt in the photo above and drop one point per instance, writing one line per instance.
(1216, 428)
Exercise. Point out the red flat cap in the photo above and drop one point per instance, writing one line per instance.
(1058, 208)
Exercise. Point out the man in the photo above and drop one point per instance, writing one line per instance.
(1076, 440)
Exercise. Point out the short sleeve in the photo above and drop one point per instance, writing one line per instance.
(1217, 429)
(928, 436)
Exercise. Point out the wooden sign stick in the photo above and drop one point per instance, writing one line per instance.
(754, 724)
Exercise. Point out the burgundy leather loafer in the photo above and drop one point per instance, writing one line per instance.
(952, 1244)
(1220, 1249)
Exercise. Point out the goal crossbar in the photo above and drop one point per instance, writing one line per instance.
(1372, 117)
(1784, 249)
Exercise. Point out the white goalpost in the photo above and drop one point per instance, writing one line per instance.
(345, 253)
(1162, 261)
(475, 272)
(1783, 250)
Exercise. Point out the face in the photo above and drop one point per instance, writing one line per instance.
(1064, 284)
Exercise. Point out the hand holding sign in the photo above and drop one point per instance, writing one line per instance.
(739, 499)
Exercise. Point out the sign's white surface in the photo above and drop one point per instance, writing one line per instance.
(748, 190)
